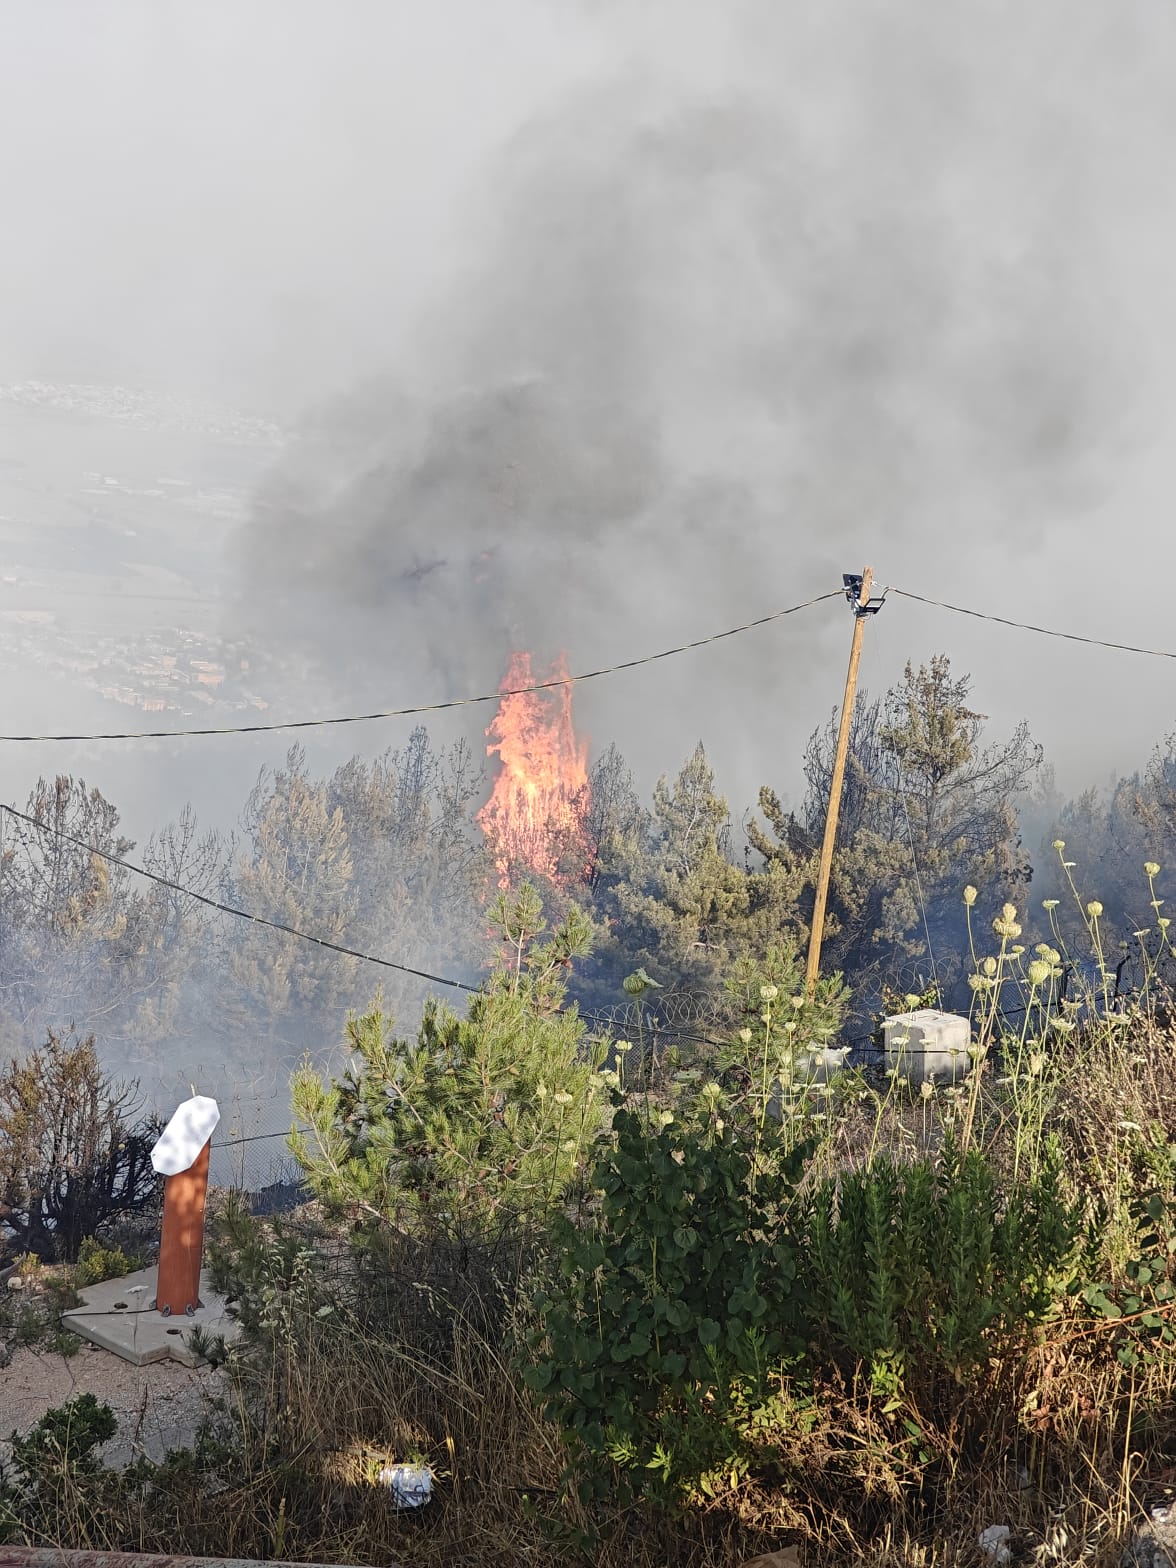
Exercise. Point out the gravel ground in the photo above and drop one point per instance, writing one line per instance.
(157, 1407)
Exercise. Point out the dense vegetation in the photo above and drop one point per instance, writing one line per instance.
(638, 1297)
(384, 855)
(630, 1311)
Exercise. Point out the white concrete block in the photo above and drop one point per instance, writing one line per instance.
(818, 1064)
(928, 1045)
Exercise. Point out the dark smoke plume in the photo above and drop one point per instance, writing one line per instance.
(705, 355)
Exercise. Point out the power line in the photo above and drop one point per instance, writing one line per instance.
(1042, 631)
(254, 1137)
(570, 680)
(229, 909)
(593, 1017)
(435, 707)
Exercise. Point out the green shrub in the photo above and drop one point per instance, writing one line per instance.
(668, 1342)
(276, 1281)
(62, 1444)
(1142, 1300)
(62, 1343)
(96, 1263)
(65, 1438)
(927, 1270)
(484, 1117)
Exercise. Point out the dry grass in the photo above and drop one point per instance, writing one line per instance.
(308, 1436)
(1062, 1443)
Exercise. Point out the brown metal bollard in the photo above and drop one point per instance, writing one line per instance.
(181, 1156)
(181, 1242)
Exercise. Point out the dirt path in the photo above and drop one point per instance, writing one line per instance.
(157, 1407)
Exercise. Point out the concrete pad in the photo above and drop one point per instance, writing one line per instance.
(119, 1315)
(158, 1407)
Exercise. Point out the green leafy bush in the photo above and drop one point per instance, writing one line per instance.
(65, 1437)
(62, 1444)
(276, 1281)
(928, 1269)
(1142, 1300)
(668, 1340)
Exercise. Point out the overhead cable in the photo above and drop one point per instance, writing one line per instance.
(594, 1017)
(590, 1017)
(278, 925)
(1042, 631)
(229, 909)
(556, 682)
(434, 707)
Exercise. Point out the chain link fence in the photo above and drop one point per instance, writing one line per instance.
(250, 1149)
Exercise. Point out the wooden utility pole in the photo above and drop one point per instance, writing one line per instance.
(861, 608)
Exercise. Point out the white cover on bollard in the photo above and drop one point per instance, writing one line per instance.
(185, 1135)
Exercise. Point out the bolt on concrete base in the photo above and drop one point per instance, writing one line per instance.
(119, 1315)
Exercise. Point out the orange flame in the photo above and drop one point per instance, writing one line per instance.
(535, 818)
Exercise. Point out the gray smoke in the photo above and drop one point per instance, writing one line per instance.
(709, 348)
(595, 327)
(601, 326)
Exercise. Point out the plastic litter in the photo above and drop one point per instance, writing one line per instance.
(411, 1485)
(994, 1543)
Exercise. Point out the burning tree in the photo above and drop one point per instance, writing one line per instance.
(536, 820)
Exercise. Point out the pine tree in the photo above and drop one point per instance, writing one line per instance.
(296, 868)
(64, 911)
(927, 809)
(484, 1118)
(677, 903)
(420, 863)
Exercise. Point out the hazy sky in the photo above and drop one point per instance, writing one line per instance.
(613, 324)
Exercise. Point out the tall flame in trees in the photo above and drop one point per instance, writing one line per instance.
(535, 819)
